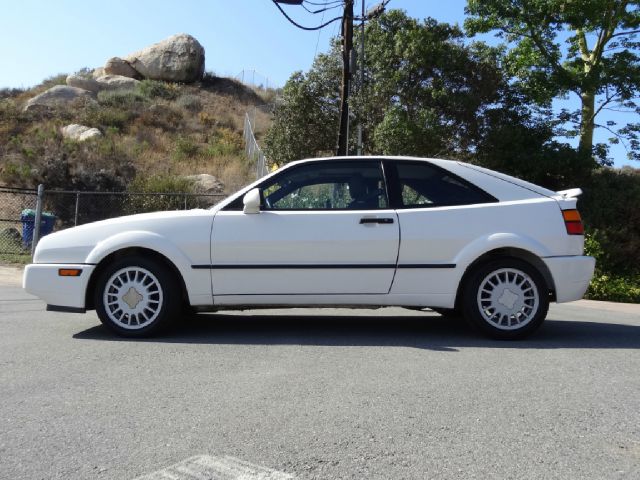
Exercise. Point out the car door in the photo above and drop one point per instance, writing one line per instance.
(324, 227)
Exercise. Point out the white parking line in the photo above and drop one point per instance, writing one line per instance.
(206, 467)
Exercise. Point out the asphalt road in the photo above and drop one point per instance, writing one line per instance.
(319, 394)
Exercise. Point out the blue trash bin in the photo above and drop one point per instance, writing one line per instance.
(28, 219)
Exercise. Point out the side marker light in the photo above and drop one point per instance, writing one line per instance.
(69, 272)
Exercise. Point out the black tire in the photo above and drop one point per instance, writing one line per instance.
(189, 314)
(447, 312)
(513, 303)
(144, 297)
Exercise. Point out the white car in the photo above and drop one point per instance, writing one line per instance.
(347, 231)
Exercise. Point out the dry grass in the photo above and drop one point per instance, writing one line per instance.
(160, 129)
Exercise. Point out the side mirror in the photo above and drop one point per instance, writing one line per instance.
(251, 201)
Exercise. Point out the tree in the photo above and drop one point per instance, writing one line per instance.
(427, 94)
(306, 118)
(558, 47)
(425, 89)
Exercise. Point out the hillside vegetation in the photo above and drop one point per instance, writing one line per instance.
(151, 136)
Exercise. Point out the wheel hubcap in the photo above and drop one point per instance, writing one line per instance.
(508, 299)
(133, 298)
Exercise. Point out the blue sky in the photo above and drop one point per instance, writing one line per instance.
(40, 38)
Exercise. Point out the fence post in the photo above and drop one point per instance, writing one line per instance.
(75, 217)
(185, 201)
(38, 219)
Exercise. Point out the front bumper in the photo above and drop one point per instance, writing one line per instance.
(43, 281)
(571, 276)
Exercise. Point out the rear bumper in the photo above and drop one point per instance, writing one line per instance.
(571, 276)
(43, 281)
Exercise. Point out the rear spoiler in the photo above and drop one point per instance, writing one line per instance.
(571, 193)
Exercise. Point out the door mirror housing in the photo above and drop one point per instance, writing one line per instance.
(251, 201)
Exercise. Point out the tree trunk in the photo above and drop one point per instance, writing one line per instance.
(587, 122)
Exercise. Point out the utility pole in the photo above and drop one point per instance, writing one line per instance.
(360, 89)
(348, 55)
(347, 46)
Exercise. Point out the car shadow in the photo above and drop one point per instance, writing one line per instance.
(430, 332)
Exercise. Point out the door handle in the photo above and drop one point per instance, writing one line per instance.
(384, 221)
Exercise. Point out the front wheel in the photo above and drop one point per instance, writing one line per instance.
(506, 299)
(136, 296)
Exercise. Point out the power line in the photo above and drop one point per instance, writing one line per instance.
(302, 27)
(322, 10)
(315, 54)
(319, 4)
(335, 30)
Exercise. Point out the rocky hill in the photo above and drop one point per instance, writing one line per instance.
(143, 122)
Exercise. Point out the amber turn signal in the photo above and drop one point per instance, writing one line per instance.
(69, 272)
(573, 222)
(571, 216)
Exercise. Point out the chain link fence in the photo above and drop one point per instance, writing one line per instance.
(60, 209)
(14, 201)
(253, 150)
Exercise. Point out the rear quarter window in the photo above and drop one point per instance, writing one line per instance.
(420, 185)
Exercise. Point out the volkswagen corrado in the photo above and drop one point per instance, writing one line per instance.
(349, 231)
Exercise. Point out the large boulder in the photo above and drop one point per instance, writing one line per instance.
(57, 96)
(80, 133)
(117, 82)
(205, 183)
(118, 66)
(85, 83)
(179, 58)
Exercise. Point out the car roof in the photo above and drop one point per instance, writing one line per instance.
(436, 161)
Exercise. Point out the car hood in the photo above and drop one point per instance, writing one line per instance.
(74, 245)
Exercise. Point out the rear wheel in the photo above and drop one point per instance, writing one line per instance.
(136, 296)
(506, 299)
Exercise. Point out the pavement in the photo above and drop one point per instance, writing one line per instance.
(10, 276)
(318, 394)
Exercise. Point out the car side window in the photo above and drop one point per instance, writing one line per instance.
(423, 185)
(331, 185)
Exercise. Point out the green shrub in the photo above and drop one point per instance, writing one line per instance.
(13, 173)
(84, 72)
(10, 92)
(607, 285)
(59, 79)
(225, 142)
(614, 289)
(15, 258)
(185, 148)
(191, 103)
(106, 117)
(120, 98)
(162, 116)
(610, 210)
(157, 184)
(161, 184)
(12, 120)
(155, 89)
